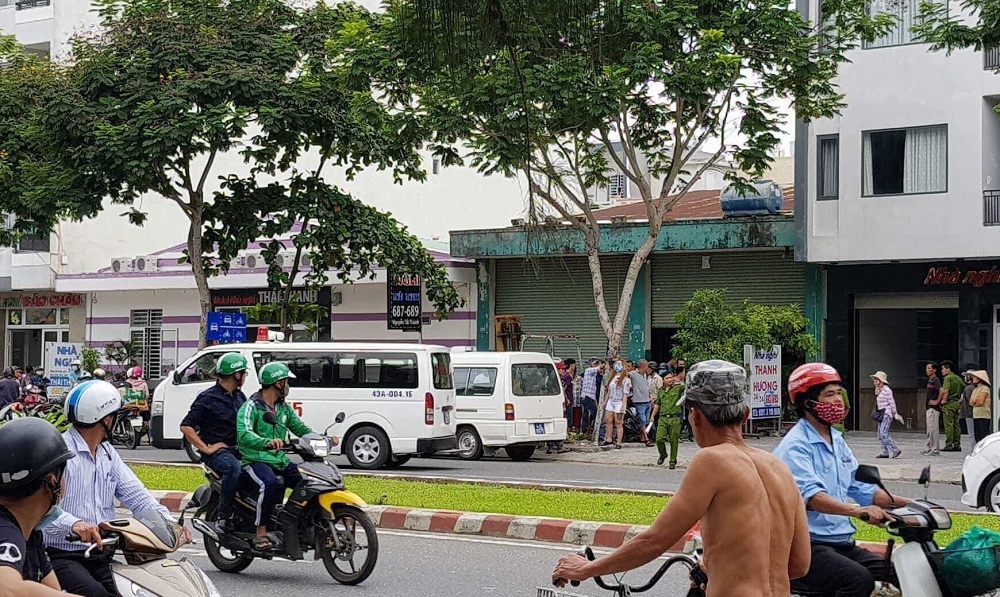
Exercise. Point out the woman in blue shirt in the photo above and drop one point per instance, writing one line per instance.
(824, 467)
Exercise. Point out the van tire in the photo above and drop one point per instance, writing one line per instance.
(520, 453)
(470, 446)
(367, 448)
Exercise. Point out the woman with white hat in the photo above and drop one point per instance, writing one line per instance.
(980, 401)
(884, 413)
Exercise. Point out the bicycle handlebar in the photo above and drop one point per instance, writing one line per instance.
(687, 560)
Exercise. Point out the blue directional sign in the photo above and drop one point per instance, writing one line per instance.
(226, 327)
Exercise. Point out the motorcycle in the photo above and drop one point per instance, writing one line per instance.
(144, 542)
(321, 516)
(915, 567)
(129, 427)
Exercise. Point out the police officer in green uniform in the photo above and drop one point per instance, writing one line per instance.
(668, 425)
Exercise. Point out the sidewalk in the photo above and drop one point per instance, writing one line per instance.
(946, 468)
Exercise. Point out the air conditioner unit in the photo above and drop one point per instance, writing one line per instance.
(146, 263)
(287, 258)
(306, 261)
(122, 264)
(252, 261)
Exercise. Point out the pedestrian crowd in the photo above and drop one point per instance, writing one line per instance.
(614, 401)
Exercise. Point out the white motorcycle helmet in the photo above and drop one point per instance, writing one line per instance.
(89, 402)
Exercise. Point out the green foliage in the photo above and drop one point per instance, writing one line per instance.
(123, 353)
(949, 29)
(90, 358)
(712, 328)
(294, 312)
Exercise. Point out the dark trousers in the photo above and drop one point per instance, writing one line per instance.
(982, 428)
(270, 485)
(229, 468)
(589, 414)
(843, 570)
(79, 576)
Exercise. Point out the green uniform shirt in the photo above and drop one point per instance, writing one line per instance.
(253, 434)
(955, 386)
(668, 401)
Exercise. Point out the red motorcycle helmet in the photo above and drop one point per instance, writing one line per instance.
(809, 376)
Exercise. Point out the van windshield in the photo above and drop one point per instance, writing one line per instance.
(441, 365)
(535, 379)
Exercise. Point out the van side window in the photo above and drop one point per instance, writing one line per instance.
(311, 369)
(475, 381)
(202, 369)
(441, 367)
(535, 380)
(390, 370)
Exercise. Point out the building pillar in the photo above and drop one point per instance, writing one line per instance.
(484, 304)
(815, 305)
(637, 328)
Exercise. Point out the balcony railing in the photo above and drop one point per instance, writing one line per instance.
(26, 4)
(991, 208)
(991, 58)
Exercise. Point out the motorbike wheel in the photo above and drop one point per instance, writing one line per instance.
(127, 434)
(224, 559)
(344, 524)
(192, 452)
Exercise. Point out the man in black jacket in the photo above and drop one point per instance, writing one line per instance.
(10, 388)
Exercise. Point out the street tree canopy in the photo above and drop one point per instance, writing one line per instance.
(566, 93)
(157, 99)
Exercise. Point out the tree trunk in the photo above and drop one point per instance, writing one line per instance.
(198, 269)
(597, 279)
(284, 324)
(617, 329)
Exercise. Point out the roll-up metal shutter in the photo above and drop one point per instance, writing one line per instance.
(555, 296)
(765, 277)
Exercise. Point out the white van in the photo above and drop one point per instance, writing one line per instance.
(398, 399)
(510, 400)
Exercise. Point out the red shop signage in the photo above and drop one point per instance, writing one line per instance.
(36, 301)
(939, 276)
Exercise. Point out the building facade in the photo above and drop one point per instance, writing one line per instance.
(901, 208)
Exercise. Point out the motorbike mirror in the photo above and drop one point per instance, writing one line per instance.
(868, 474)
(925, 475)
(340, 418)
(270, 418)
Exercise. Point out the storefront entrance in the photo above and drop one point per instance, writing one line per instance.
(27, 332)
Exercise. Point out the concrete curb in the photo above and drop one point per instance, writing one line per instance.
(504, 526)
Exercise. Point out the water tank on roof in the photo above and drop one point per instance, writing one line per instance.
(766, 199)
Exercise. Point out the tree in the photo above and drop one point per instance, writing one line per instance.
(710, 327)
(165, 88)
(949, 30)
(563, 92)
(123, 353)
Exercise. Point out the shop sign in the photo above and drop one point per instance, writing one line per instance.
(250, 297)
(37, 300)
(764, 391)
(58, 360)
(405, 303)
(938, 276)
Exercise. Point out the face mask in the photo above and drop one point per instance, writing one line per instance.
(50, 516)
(619, 367)
(830, 413)
(283, 392)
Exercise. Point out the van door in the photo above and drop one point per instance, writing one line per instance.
(475, 388)
(443, 393)
(193, 378)
(536, 394)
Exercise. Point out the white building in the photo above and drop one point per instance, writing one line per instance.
(899, 202)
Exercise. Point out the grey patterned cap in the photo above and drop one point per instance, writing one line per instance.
(718, 383)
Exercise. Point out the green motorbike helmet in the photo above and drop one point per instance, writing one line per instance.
(272, 373)
(231, 363)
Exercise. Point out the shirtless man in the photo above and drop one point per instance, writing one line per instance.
(753, 520)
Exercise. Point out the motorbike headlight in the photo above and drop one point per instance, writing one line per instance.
(941, 518)
(319, 447)
(140, 592)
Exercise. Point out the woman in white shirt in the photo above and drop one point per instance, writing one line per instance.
(619, 390)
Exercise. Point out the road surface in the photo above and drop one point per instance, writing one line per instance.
(547, 471)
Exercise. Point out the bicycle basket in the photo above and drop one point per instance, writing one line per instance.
(968, 572)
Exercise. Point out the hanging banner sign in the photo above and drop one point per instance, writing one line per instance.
(405, 303)
(764, 391)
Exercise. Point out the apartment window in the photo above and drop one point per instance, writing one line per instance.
(907, 14)
(618, 186)
(828, 170)
(147, 331)
(31, 241)
(905, 161)
(436, 166)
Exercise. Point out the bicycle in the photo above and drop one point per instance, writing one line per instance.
(691, 561)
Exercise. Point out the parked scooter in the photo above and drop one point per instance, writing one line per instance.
(129, 427)
(144, 542)
(915, 566)
(321, 516)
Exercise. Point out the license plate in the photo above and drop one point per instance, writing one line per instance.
(136, 422)
(539, 428)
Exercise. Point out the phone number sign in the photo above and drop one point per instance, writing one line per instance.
(405, 303)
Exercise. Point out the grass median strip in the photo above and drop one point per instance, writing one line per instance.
(574, 505)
